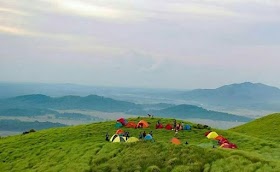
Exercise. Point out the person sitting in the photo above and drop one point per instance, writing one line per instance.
(144, 134)
(140, 135)
(151, 133)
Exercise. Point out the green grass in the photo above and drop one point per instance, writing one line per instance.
(266, 128)
(83, 148)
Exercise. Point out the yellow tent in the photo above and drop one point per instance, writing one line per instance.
(117, 138)
(212, 135)
(132, 139)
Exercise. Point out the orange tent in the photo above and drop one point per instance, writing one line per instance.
(131, 125)
(119, 131)
(175, 141)
(220, 138)
(142, 124)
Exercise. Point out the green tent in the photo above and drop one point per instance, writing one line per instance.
(118, 125)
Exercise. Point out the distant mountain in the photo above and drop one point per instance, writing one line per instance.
(244, 95)
(266, 128)
(92, 102)
(17, 125)
(190, 111)
(34, 105)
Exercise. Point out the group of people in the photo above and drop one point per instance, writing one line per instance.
(143, 135)
(177, 126)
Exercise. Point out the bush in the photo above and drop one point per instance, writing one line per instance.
(32, 131)
(153, 168)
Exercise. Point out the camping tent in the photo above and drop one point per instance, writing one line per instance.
(220, 138)
(168, 127)
(118, 125)
(117, 138)
(132, 139)
(229, 146)
(122, 121)
(119, 131)
(142, 124)
(212, 135)
(159, 126)
(206, 133)
(131, 125)
(175, 141)
(187, 127)
(148, 137)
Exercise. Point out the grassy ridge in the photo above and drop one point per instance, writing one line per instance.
(83, 148)
(265, 128)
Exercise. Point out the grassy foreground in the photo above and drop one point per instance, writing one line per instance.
(83, 148)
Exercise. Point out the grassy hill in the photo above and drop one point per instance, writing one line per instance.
(83, 148)
(265, 128)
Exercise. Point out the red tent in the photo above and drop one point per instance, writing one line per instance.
(168, 127)
(229, 146)
(223, 141)
(122, 121)
(159, 126)
(131, 125)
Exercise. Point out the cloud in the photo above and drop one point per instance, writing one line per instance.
(200, 9)
(87, 9)
(13, 11)
(15, 31)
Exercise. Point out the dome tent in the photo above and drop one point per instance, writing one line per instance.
(116, 138)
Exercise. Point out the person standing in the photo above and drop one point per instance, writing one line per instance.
(107, 137)
(174, 124)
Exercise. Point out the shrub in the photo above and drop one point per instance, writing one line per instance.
(153, 168)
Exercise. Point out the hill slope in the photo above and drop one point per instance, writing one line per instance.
(83, 148)
(265, 128)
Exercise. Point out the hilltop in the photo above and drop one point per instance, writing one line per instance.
(83, 148)
(265, 128)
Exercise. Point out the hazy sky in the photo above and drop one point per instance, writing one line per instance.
(143, 43)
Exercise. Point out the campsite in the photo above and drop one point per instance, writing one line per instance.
(84, 148)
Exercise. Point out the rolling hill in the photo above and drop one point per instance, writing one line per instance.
(83, 148)
(265, 128)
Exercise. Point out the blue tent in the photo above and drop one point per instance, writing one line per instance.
(148, 137)
(187, 127)
(118, 125)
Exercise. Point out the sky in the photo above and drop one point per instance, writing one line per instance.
(140, 43)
